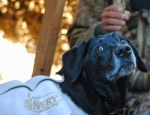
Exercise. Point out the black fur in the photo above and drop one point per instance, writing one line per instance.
(89, 78)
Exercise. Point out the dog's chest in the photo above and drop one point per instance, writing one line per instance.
(73, 106)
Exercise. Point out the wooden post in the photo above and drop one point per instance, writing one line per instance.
(48, 37)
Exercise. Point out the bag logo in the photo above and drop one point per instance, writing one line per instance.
(40, 104)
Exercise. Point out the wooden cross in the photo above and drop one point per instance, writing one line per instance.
(48, 37)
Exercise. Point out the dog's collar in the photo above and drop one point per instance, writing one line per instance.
(115, 111)
(123, 111)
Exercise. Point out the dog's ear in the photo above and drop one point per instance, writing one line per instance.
(72, 60)
(140, 64)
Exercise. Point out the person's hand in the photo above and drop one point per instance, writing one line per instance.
(113, 18)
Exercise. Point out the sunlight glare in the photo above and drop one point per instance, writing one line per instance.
(15, 62)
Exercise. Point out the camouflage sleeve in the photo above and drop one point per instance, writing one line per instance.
(87, 22)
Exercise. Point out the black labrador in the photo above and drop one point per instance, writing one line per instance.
(96, 73)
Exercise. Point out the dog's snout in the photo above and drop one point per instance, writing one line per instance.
(123, 50)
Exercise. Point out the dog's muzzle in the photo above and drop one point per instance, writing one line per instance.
(124, 61)
(123, 50)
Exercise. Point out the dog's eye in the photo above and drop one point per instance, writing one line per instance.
(123, 42)
(99, 49)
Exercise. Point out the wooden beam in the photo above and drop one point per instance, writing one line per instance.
(48, 37)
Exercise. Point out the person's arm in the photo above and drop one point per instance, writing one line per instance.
(87, 19)
(78, 33)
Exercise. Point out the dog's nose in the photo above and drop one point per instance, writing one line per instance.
(123, 50)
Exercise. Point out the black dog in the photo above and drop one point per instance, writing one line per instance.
(96, 72)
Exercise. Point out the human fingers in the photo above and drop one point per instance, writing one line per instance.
(112, 24)
(127, 15)
(113, 14)
(113, 21)
(113, 8)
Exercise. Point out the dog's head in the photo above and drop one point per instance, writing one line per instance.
(107, 57)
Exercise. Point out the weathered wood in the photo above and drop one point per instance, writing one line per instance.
(48, 37)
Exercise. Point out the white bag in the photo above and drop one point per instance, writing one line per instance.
(38, 96)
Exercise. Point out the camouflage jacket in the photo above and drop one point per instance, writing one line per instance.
(88, 22)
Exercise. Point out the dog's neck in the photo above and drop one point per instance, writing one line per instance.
(112, 96)
(113, 93)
